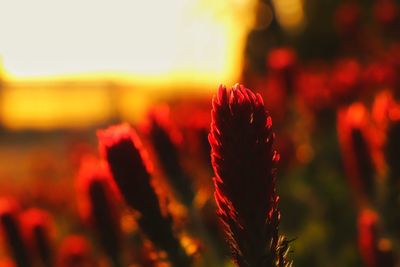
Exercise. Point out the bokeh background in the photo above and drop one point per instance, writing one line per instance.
(327, 70)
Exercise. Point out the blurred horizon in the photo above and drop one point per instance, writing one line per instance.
(73, 64)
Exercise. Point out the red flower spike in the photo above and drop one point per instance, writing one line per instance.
(128, 162)
(383, 109)
(367, 236)
(354, 141)
(386, 121)
(95, 190)
(123, 151)
(244, 163)
(375, 251)
(13, 234)
(37, 228)
(282, 62)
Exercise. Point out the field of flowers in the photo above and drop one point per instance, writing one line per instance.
(298, 164)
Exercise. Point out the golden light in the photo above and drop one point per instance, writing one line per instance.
(34, 106)
(186, 40)
(290, 14)
(141, 46)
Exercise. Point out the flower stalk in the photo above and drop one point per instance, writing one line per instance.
(244, 163)
(127, 160)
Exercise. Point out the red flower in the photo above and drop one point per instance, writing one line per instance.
(168, 156)
(375, 251)
(367, 236)
(13, 232)
(282, 61)
(122, 149)
(98, 206)
(385, 114)
(354, 139)
(38, 230)
(313, 88)
(128, 162)
(346, 79)
(244, 163)
(378, 75)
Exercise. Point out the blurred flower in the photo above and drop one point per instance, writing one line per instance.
(168, 156)
(75, 252)
(99, 206)
(147, 257)
(128, 162)
(393, 56)
(367, 236)
(282, 61)
(379, 75)
(7, 263)
(313, 88)
(375, 252)
(356, 153)
(346, 79)
(381, 107)
(13, 233)
(244, 164)
(123, 150)
(393, 149)
(347, 18)
(386, 12)
(273, 86)
(386, 117)
(37, 226)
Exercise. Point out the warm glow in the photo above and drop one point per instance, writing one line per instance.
(195, 41)
(127, 51)
(290, 14)
(54, 107)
